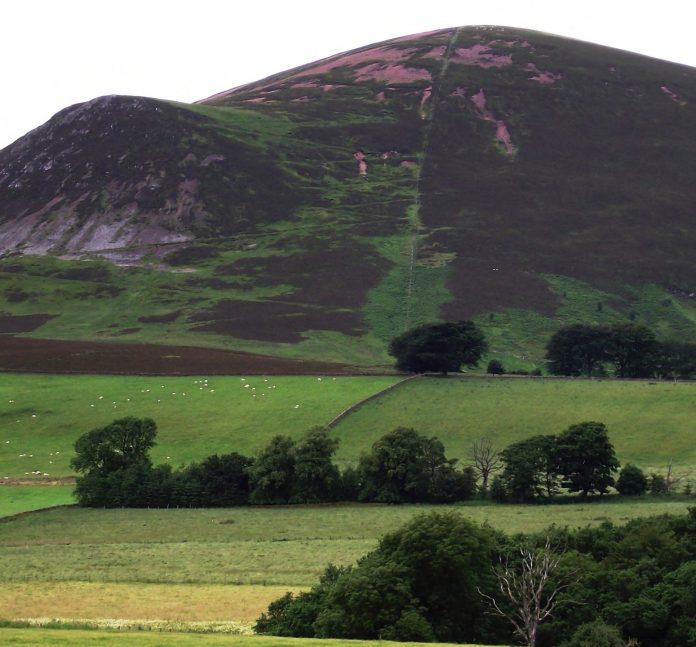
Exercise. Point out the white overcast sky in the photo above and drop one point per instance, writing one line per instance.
(55, 53)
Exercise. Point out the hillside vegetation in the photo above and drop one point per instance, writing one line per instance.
(487, 173)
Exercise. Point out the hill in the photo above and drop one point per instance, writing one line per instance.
(514, 177)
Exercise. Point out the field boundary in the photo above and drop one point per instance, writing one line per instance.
(24, 513)
(354, 407)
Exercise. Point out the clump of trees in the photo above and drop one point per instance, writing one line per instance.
(438, 578)
(626, 350)
(580, 459)
(438, 348)
(403, 467)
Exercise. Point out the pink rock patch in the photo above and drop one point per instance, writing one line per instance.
(426, 95)
(481, 56)
(502, 134)
(256, 100)
(392, 73)
(362, 164)
(380, 96)
(672, 95)
(459, 92)
(545, 78)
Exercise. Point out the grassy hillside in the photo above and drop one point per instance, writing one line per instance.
(649, 423)
(41, 416)
(18, 498)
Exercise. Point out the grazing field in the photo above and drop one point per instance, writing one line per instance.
(649, 423)
(81, 638)
(18, 498)
(41, 416)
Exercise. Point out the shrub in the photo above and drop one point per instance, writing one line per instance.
(495, 367)
(632, 481)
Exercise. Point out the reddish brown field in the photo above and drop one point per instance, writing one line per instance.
(58, 356)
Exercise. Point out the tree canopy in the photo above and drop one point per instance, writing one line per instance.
(440, 348)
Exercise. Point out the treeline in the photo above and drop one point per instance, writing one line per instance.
(624, 350)
(402, 467)
(441, 578)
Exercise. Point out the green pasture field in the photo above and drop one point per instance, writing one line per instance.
(20, 498)
(649, 423)
(41, 416)
(288, 545)
(81, 638)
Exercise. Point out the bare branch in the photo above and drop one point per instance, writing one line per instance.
(525, 585)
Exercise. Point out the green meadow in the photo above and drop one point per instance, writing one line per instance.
(23, 498)
(649, 423)
(41, 416)
(288, 545)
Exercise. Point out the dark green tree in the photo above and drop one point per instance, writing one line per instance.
(632, 350)
(221, 480)
(114, 463)
(440, 348)
(421, 583)
(675, 360)
(495, 367)
(530, 469)
(405, 466)
(272, 474)
(632, 481)
(316, 478)
(122, 443)
(578, 350)
(586, 459)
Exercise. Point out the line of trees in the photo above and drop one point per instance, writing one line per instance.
(442, 578)
(626, 350)
(403, 467)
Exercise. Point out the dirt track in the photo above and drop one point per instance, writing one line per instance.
(57, 356)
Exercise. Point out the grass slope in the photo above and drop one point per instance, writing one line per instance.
(649, 423)
(19, 498)
(41, 416)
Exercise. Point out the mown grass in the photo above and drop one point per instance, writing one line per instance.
(20, 498)
(41, 416)
(649, 423)
(288, 546)
(82, 638)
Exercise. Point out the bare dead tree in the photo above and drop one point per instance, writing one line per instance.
(524, 585)
(673, 479)
(485, 461)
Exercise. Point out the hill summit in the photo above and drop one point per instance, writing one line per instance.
(518, 178)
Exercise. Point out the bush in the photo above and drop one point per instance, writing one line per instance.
(595, 634)
(495, 367)
(632, 481)
(498, 491)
